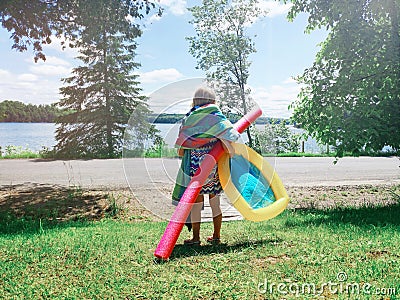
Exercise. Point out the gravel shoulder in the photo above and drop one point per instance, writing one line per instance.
(65, 204)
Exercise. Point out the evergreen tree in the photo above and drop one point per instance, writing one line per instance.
(102, 92)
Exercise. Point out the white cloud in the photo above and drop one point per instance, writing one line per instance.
(161, 76)
(275, 8)
(49, 70)
(56, 45)
(290, 80)
(27, 77)
(53, 66)
(53, 60)
(4, 73)
(28, 88)
(176, 7)
(154, 18)
(174, 97)
(274, 100)
(38, 83)
(179, 7)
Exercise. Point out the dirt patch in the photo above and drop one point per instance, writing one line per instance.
(266, 262)
(325, 197)
(73, 203)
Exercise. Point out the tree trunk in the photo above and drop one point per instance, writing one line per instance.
(107, 113)
(394, 17)
(243, 97)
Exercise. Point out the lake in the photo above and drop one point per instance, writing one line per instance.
(35, 136)
(27, 135)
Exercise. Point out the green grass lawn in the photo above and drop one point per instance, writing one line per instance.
(337, 253)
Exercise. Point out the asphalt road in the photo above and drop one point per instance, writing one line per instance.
(122, 173)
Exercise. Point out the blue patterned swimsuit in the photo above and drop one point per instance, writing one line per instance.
(212, 184)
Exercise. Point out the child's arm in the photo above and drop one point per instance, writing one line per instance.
(180, 151)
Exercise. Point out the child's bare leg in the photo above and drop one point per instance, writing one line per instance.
(217, 215)
(196, 217)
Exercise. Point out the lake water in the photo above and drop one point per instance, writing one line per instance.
(35, 136)
(27, 135)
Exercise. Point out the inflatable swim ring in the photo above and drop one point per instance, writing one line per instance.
(251, 184)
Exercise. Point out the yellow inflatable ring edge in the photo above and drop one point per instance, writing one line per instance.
(269, 174)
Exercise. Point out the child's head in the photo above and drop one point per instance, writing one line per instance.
(203, 96)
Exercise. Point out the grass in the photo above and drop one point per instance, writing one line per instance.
(13, 152)
(112, 258)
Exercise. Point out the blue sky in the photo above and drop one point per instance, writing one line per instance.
(283, 51)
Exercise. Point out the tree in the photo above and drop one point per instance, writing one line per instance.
(222, 47)
(102, 92)
(15, 111)
(276, 138)
(351, 93)
(36, 23)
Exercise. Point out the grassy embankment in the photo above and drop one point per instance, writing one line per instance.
(14, 152)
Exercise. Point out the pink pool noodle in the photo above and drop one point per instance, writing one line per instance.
(175, 225)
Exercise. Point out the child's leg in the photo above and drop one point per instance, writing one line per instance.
(217, 215)
(196, 217)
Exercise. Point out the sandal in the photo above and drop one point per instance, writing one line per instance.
(190, 242)
(214, 241)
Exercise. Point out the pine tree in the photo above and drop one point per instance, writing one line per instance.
(102, 92)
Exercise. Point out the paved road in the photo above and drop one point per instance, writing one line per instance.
(118, 173)
(152, 180)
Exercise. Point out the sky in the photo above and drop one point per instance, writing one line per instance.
(283, 52)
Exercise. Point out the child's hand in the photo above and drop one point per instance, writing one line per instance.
(228, 147)
(180, 152)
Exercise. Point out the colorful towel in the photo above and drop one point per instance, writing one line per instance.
(183, 178)
(204, 124)
(182, 181)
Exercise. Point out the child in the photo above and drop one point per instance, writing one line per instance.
(201, 129)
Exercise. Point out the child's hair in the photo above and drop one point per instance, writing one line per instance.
(203, 96)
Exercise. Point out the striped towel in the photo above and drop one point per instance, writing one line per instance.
(202, 125)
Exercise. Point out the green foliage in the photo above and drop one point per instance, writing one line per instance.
(276, 138)
(351, 94)
(15, 111)
(103, 92)
(33, 24)
(161, 151)
(164, 118)
(141, 137)
(17, 152)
